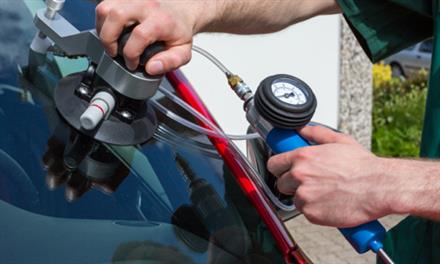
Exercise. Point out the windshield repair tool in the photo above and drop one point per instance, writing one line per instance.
(107, 102)
(281, 105)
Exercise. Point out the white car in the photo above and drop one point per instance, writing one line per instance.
(411, 60)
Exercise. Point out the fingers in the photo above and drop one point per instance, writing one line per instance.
(169, 60)
(115, 21)
(101, 12)
(324, 135)
(157, 21)
(141, 37)
(287, 183)
(280, 163)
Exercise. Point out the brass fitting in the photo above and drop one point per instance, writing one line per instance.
(234, 80)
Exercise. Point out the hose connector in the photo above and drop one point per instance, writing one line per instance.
(240, 87)
(53, 6)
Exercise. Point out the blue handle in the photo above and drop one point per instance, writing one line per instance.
(363, 237)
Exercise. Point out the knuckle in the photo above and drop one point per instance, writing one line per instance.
(301, 195)
(102, 10)
(304, 153)
(156, 28)
(141, 34)
(130, 54)
(117, 14)
(167, 19)
(298, 173)
(315, 129)
(153, 4)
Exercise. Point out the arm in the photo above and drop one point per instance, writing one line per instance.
(175, 22)
(417, 187)
(265, 16)
(339, 183)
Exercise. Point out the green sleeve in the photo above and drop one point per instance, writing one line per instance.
(384, 27)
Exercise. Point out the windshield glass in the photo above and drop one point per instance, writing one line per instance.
(65, 198)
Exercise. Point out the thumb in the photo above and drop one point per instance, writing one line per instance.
(323, 135)
(168, 60)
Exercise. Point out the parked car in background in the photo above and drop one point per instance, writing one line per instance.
(411, 60)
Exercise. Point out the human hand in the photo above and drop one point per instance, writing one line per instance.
(174, 22)
(335, 183)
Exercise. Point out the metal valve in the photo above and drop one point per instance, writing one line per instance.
(53, 6)
(100, 107)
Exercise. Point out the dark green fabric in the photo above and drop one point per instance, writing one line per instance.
(431, 129)
(384, 27)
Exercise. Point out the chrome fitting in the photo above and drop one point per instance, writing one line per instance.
(53, 6)
(240, 87)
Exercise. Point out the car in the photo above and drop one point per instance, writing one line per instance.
(180, 197)
(411, 60)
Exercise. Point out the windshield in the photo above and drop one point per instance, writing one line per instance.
(65, 198)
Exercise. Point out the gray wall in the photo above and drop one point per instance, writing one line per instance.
(355, 94)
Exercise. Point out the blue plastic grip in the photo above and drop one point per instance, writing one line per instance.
(283, 140)
(363, 237)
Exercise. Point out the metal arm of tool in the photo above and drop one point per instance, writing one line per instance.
(133, 84)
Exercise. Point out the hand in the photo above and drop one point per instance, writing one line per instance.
(173, 22)
(336, 183)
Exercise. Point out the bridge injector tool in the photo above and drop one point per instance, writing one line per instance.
(281, 105)
(107, 102)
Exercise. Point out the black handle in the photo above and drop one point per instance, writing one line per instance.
(148, 53)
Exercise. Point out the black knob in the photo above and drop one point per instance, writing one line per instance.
(285, 101)
(148, 53)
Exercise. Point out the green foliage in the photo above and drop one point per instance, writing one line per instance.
(398, 109)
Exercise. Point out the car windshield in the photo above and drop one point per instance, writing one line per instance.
(170, 200)
(426, 46)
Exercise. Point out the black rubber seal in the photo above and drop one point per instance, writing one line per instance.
(279, 113)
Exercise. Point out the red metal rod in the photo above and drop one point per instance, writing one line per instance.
(234, 161)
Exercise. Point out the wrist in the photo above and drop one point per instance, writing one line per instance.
(380, 196)
(401, 186)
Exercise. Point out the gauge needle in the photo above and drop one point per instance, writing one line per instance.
(287, 95)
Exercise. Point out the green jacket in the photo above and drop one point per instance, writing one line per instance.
(384, 27)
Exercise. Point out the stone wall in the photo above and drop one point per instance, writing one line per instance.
(355, 95)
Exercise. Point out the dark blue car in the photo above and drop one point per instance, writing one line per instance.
(181, 197)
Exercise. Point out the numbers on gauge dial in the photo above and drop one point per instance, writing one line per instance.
(288, 93)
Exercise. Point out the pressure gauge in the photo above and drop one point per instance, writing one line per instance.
(288, 92)
(285, 101)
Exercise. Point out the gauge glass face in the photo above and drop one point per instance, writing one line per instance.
(288, 93)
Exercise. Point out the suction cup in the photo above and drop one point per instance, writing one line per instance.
(123, 127)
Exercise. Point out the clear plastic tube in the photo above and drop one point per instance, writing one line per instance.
(214, 129)
(213, 59)
(216, 132)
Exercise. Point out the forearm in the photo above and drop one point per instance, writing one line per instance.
(258, 16)
(411, 187)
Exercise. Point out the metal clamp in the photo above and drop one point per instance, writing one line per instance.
(135, 85)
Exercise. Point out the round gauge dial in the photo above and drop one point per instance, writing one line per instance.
(285, 101)
(288, 93)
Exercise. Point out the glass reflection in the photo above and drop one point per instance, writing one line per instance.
(80, 163)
